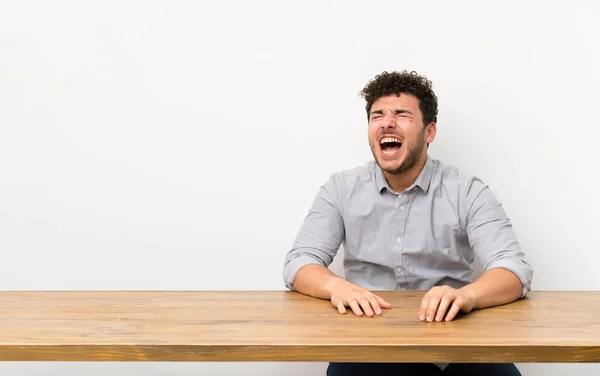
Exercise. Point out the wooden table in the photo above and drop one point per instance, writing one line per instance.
(286, 326)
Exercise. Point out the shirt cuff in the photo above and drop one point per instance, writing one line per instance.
(522, 272)
(294, 265)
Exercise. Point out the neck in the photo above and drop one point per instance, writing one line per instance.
(399, 182)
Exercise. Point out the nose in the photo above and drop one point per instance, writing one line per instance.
(389, 121)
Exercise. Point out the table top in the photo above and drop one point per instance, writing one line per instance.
(546, 326)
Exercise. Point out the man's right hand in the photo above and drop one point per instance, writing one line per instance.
(360, 300)
(318, 281)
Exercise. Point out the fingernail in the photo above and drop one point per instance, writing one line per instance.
(421, 317)
(378, 311)
(429, 318)
(438, 318)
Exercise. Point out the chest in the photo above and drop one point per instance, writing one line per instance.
(377, 229)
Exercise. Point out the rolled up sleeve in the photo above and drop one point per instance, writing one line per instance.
(320, 235)
(491, 235)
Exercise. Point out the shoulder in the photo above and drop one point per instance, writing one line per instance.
(347, 183)
(354, 177)
(450, 177)
(466, 191)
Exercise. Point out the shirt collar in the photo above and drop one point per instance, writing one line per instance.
(380, 180)
(423, 180)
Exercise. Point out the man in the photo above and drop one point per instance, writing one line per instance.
(407, 222)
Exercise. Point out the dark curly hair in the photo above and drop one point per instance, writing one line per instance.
(405, 82)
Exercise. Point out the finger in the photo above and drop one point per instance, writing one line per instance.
(355, 307)
(364, 303)
(447, 299)
(433, 305)
(424, 306)
(375, 304)
(340, 306)
(382, 302)
(456, 307)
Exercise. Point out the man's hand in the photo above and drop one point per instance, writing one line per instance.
(318, 281)
(444, 302)
(360, 300)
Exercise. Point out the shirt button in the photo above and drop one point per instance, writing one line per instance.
(398, 240)
(402, 207)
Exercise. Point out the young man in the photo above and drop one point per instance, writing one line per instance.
(407, 222)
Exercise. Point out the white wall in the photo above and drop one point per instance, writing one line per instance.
(178, 145)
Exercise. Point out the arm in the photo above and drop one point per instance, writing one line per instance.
(495, 287)
(507, 276)
(306, 264)
(316, 244)
(315, 280)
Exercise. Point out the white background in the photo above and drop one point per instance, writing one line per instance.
(178, 145)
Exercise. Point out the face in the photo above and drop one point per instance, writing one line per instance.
(397, 135)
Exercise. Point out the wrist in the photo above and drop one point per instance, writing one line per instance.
(332, 284)
(471, 292)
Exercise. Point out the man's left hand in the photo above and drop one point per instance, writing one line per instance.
(444, 303)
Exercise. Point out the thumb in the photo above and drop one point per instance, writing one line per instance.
(383, 303)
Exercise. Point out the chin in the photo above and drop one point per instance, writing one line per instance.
(391, 166)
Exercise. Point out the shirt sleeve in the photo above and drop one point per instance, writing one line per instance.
(490, 233)
(320, 235)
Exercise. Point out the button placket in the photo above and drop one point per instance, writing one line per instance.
(400, 239)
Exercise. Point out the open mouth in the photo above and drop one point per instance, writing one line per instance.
(390, 146)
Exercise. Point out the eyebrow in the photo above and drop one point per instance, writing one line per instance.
(396, 112)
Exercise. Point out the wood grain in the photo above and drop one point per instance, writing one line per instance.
(557, 326)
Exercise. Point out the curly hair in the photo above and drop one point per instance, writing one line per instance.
(405, 82)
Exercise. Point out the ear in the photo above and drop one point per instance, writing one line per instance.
(430, 132)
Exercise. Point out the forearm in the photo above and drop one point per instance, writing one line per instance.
(315, 280)
(495, 287)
